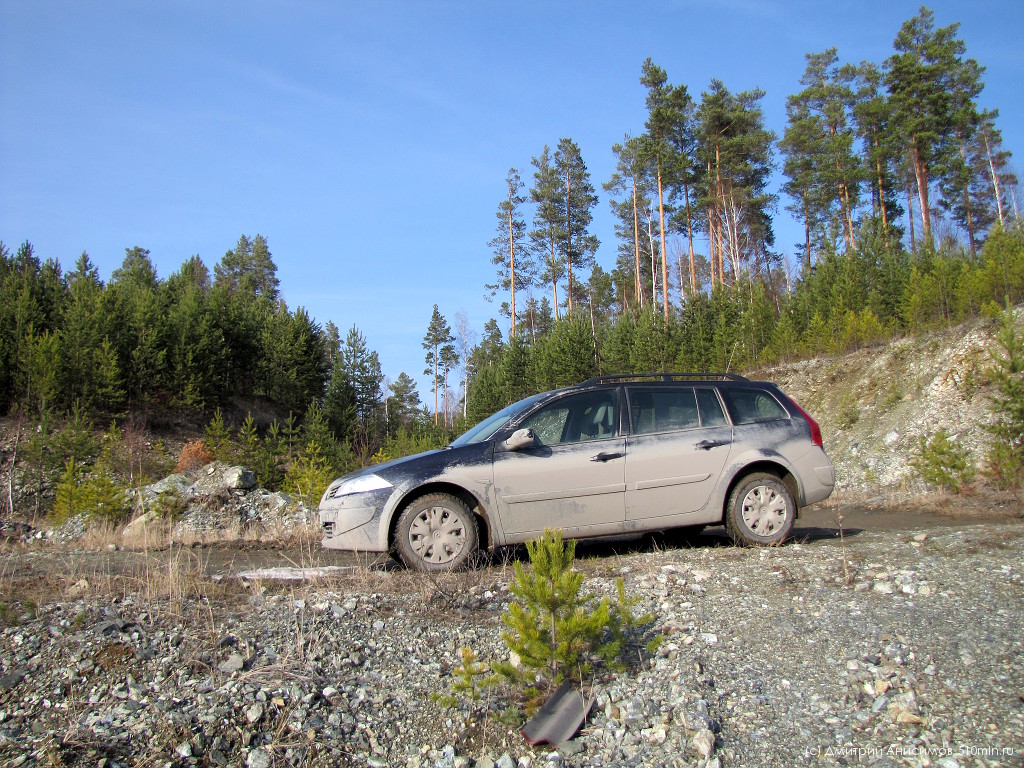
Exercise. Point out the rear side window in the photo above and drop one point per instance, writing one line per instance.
(749, 406)
(711, 413)
(667, 409)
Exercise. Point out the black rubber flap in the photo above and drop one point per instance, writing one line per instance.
(560, 717)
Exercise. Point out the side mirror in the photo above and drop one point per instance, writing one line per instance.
(521, 438)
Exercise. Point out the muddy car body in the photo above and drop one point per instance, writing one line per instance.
(611, 456)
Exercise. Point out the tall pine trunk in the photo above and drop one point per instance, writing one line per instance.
(910, 215)
(512, 262)
(664, 256)
(967, 208)
(881, 188)
(568, 234)
(689, 237)
(636, 247)
(554, 274)
(921, 174)
(995, 179)
(807, 236)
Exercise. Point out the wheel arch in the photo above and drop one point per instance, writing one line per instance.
(771, 467)
(451, 489)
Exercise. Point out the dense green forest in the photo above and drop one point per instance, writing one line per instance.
(910, 217)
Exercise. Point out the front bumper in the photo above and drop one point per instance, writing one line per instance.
(354, 522)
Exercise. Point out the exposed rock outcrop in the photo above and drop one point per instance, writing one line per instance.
(221, 500)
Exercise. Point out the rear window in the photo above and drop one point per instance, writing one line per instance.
(750, 406)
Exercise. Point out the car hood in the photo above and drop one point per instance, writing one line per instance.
(386, 469)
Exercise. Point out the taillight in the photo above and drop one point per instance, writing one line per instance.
(815, 429)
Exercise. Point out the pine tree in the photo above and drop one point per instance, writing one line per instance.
(293, 367)
(800, 146)
(873, 117)
(404, 402)
(353, 402)
(449, 358)
(735, 150)
(991, 155)
(554, 627)
(659, 149)
(547, 229)
(630, 179)
(823, 169)
(575, 210)
(670, 145)
(931, 89)
(510, 245)
(249, 268)
(439, 334)
(567, 355)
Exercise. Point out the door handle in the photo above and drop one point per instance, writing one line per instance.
(707, 445)
(606, 456)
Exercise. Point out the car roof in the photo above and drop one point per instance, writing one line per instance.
(658, 378)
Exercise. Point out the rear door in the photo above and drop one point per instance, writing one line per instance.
(574, 477)
(678, 445)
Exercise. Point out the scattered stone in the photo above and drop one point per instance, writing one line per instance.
(234, 663)
(704, 743)
(777, 658)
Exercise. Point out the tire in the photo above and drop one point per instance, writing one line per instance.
(437, 532)
(761, 511)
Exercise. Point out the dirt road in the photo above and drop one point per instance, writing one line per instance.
(817, 526)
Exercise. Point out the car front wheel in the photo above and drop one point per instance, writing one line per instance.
(437, 532)
(761, 511)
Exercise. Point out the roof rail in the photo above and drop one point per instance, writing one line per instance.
(684, 376)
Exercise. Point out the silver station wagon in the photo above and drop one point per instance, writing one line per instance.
(611, 456)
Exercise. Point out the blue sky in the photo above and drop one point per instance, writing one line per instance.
(369, 141)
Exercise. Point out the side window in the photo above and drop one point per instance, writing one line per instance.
(711, 413)
(662, 409)
(749, 406)
(587, 416)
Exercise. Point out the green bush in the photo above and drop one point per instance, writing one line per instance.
(1006, 455)
(941, 463)
(308, 476)
(94, 493)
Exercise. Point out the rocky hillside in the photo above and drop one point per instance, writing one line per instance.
(875, 404)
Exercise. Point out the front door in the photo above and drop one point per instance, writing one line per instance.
(573, 477)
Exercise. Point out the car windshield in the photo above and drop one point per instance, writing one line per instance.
(486, 428)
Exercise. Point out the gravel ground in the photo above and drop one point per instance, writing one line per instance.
(909, 653)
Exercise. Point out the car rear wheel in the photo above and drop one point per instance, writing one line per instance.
(437, 532)
(761, 511)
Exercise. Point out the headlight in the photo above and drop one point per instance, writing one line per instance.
(361, 484)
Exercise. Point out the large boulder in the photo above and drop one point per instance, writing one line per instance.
(224, 501)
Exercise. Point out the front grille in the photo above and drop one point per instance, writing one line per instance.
(328, 529)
